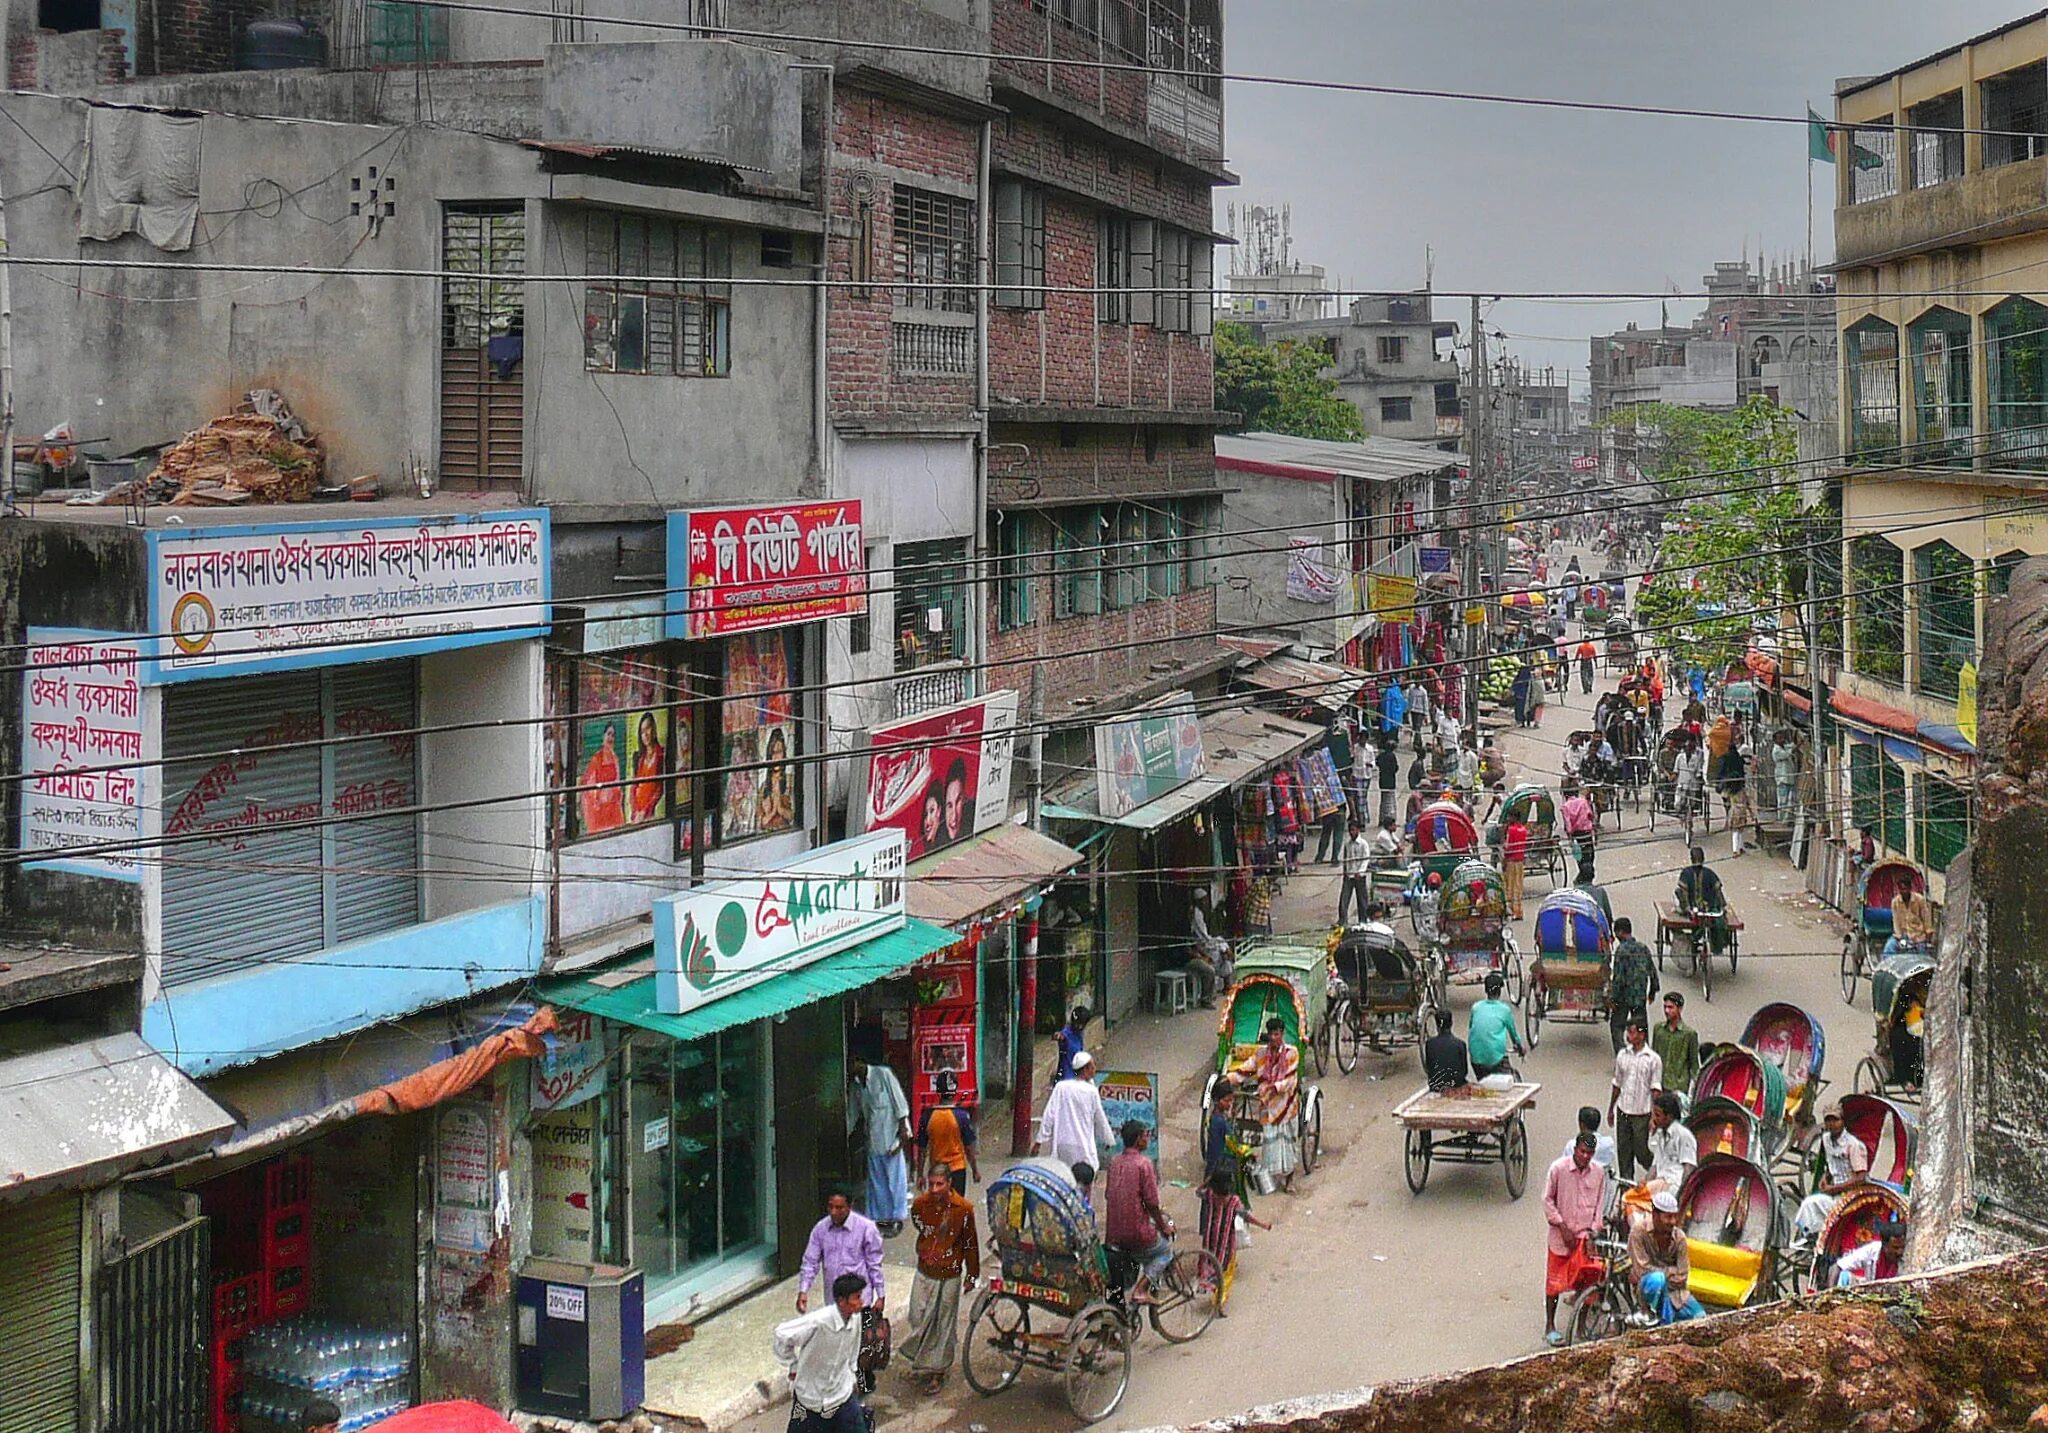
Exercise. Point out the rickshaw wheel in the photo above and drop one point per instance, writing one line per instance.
(1514, 1157)
(1703, 962)
(1869, 1077)
(1192, 1284)
(1345, 1019)
(1852, 968)
(1532, 1014)
(1416, 1160)
(1511, 967)
(997, 1330)
(1311, 1133)
(1589, 1316)
(1320, 1046)
(1097, 1367)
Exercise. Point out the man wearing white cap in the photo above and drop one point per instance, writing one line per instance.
(1074, 1128)
(1657, 1258)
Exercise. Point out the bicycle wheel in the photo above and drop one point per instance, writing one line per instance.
(1320, 1044)
(998, 1334)
(1415, 1161)
(1852, 968)
(1532, 1013)
(1186, 1294)
(1703, 958)
(1869, 1077)
(1311, 1135)
(1514, 1157)
(1346, 1020)
(1097, 1368)
(1595, 1314)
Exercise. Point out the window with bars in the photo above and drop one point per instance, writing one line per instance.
(934, 245)
(1873, 362)
(2015, 115)
(931, 581)
(1877, 626)
(1017, 541)
(1937, 128)
(1998, 580)
(1874, 172)
(1113, 258)
(1392, 347)
(2016, 375)
(1945, 595)
(1941, 823)
(1077, 566)
(657, 303)
(1940, 342)
(1020, 245)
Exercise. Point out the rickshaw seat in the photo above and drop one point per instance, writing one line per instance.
(1722, 1275)
(1240, 1053)
(1877, 920)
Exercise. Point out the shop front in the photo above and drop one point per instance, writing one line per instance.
(1186, 805)
(699, 1113)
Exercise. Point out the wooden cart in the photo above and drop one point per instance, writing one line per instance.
(1470, 1125)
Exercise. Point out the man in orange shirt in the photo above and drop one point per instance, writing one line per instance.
(946, 1245)
(1586, 654)
(947, 1137)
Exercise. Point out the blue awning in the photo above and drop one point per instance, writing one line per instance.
(631, 1001)
(1948, 738)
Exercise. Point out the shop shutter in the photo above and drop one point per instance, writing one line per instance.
(154, 1333)
(40, 1256)
(251, 896)
(375, 888)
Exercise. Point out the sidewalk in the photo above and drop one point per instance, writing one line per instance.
(725, 1374)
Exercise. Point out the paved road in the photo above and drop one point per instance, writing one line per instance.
(1363, 1282)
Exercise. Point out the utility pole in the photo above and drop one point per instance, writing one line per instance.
(1474, 643)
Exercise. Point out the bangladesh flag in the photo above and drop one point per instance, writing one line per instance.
(1822, 137)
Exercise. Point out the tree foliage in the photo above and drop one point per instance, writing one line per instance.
(1279, 388)
(1736, 502)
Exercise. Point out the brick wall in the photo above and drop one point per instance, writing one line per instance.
(1037, 148)
(1021, 30)
(1060, 356)
(197, 37)
(1035, 463)
(881, 135)
(1094, 654)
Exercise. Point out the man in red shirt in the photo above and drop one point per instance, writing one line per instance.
(1514, 851)
(1134, 1224)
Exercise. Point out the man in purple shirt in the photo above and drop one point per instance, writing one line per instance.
(843, 1242)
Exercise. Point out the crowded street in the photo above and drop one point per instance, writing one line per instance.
(1361, 1281)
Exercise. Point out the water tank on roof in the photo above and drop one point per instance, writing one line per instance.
(278, 43)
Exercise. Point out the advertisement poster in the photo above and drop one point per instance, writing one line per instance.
(743, 569)
(463, 1160)
(713, 941)
(244, 599)
(760, 736)
(939, 777)
(621, 728)
(81, 709)
(564, 1161)
(1310, 577)
(1391, 599)
(1129, 1095)
(1436, 559)
(1142, 758)
(573, 1069)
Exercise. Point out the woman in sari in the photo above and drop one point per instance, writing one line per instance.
(1276, 1064)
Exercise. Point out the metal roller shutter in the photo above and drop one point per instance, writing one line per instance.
(374, 884)
(242, 896)
(40, 1258)
(252, 894)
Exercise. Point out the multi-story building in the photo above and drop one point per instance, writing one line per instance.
(1943, 415)
(1387, 360)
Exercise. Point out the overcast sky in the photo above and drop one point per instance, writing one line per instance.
(1514, 198)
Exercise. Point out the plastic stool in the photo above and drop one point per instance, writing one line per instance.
(1170, 990)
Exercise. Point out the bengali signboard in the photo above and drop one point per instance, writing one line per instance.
(717, 940)
(1391, 599)
(1584, 463)
(1141, 758)
(1129, 1095)
(81, 713)
(1310, 577)
(938, 777)
(743, 569)
(224, 601)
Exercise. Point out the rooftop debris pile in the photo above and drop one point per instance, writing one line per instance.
(260, 449)
(1965, 1348)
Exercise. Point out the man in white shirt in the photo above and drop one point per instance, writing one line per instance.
(1074, 1129)
(1638, 1077)
(1674, 1149)
(1209, 955)
(820, 1350)
(879, 1104)
(1357, 887)
(1882, 1258)
(1365, 759)
(1848, 1165)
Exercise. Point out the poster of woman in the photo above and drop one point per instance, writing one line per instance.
(649, 758)
(777, 804)
(601, 801)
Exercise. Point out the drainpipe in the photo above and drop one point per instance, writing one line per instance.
(984, 213)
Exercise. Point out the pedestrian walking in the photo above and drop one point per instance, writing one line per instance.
(1356, 888)
(878, 1104)
(946, 1137)
(1633, 983)
(1365, 758)
(844, 1242)
(1073, 1127)
(1638, 1076)
(1330, 839)
(1574, 1193)
(820, 1351)
(1785, 773)
(1072, 1037)
(1419, 710)
(948, 1261)
(1220, 1213)
(1514, 856)
(1677, 1046)
(1389, 764)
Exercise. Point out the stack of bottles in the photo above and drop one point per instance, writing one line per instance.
(365, 1372)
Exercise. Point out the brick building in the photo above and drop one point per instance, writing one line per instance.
(1103, 497)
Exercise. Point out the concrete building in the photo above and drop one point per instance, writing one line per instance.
(1350, 512)
(1942, 413)
(1387, 360)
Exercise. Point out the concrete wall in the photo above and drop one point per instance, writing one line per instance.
(1256, 597)
(502, 100)
(480, 855)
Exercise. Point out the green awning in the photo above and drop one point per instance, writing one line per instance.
(632, 1003)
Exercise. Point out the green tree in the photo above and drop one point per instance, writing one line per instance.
(1279, 388)
(1736, 504)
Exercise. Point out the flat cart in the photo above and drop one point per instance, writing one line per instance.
(1468, 1125)
(1678, 929)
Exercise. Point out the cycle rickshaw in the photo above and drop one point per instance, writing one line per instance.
(1881, 883)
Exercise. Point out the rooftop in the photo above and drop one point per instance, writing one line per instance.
(1857, 83)
(1381, 460)
(57, 508)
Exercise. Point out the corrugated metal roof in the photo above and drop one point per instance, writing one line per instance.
(82, 1114)
(1382, 460)
(1238, 745)
(1318, 682)
(986, 873)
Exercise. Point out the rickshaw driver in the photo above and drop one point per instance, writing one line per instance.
(1912, 922)
(1701, 897)
(1135, 1225)
(1491, 1030)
